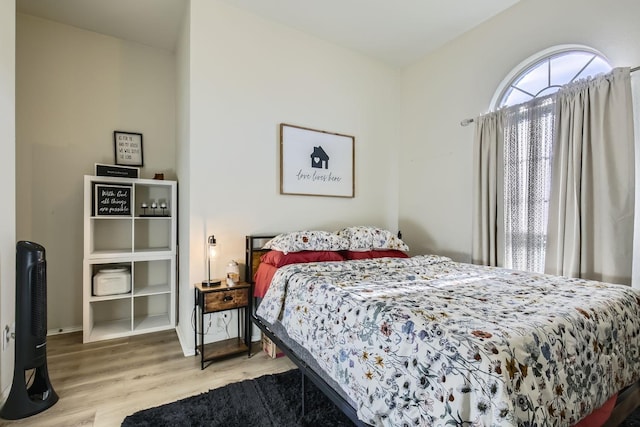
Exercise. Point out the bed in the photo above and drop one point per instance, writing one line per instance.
(428, 341)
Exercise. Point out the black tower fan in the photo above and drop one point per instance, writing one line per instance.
(31, 336)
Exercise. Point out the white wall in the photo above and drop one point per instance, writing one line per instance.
(7, 189)
(183, 69)
(247, 76)
(73, 89)
(635, 264)
(459, 80)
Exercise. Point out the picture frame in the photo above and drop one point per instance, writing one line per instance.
(128, 148)
(316, 162)
(112, 200)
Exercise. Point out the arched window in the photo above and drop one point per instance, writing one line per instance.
(528, 146)
(547, 71)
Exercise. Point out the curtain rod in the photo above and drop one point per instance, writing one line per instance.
(467, 122)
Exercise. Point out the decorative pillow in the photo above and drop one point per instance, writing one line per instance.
(279, 259)
(381, 253)
(367, 238)
(315, 240)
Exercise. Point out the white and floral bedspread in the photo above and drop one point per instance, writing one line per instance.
(427, 341)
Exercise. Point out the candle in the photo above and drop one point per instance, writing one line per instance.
(163, 205)
(154, 205)
(144, 205)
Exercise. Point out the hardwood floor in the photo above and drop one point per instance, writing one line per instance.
(99, 384)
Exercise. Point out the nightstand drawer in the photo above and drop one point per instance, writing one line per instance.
(226, 300)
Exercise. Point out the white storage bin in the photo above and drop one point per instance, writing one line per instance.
(112, 281)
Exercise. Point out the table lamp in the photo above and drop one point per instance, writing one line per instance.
(211, 254)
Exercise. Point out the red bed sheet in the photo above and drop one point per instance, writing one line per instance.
(598, 417)
(262, 279)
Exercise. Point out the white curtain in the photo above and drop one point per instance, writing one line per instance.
(528, 141)
(488, 231)
(592, 193)
(635, 94)
(513, 145)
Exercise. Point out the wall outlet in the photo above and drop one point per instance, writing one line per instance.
(223, 320)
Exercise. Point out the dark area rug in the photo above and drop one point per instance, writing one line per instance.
(271, 400)
(633, 420)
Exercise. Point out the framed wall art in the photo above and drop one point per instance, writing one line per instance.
(316, 163)
(128, 148)
(110, 200)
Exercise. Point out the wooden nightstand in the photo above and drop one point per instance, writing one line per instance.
(216, 299)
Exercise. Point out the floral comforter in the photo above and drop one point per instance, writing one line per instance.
(428, 341)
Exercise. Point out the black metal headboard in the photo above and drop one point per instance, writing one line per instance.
(253, 252)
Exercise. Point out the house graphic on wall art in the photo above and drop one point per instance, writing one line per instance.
(319, 159)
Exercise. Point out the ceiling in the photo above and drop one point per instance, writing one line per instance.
(151, 22)
(396, 32)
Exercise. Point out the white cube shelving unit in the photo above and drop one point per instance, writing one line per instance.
(144, 242)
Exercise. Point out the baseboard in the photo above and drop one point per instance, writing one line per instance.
(185, 350)
(67, 330)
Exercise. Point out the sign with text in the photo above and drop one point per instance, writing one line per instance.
(316, 163)
(128, 148)
(112, 200)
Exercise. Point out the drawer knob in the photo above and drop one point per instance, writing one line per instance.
(227, 298)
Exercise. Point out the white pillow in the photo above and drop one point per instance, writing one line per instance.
(308, 240)
(365, 238)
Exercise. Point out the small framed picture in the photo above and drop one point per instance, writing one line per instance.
(128, 148)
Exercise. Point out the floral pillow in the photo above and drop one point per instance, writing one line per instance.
(364, 238)
(314, 240)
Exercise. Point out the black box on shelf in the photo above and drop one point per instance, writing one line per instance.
(117, 171)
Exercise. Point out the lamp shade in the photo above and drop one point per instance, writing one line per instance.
(211, 254)
(211, 242)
